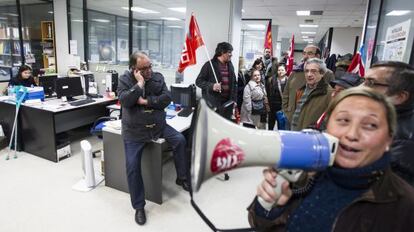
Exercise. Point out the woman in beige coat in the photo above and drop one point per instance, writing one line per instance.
(254, 90)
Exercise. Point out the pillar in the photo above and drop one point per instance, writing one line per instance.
(219, 21)
(61, 36)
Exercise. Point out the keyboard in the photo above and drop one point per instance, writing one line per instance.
(81, 102)
(185, 112)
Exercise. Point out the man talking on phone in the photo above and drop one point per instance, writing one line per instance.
(144, 95)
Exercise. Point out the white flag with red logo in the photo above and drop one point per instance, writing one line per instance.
(193, 40)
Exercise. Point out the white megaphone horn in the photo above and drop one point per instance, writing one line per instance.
(220, 145)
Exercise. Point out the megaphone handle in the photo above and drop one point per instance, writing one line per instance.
(278, 190)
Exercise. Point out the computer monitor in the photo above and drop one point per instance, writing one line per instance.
(48, 83)
(184, 95)
(69, 87)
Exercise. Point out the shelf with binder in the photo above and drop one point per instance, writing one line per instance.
(48, 45)
(11, 50)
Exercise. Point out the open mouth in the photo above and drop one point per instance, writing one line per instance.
(347, 148)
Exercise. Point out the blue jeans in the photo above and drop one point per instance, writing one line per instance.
(133, 154)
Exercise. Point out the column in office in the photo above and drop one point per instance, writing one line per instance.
(285, 44)
(61, 35)
(275, 30)
(219, 21)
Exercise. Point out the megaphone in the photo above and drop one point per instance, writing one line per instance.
(220, 145)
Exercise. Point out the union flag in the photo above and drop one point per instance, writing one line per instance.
(268, 38)
(193, 40)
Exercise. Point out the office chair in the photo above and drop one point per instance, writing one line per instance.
(97, 127)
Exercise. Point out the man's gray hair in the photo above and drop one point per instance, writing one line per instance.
(137, 55)
(322, 65)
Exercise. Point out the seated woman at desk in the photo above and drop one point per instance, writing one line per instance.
(24, 77)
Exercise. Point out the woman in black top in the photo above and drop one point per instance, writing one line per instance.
(24, 77)
(275, 89)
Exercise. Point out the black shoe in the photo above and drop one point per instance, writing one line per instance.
(226, 176)
(140, 217)
(183, 183)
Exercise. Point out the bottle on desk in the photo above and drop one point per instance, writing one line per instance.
(170, 109)
(10, 92)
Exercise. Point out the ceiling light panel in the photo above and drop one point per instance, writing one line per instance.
(141, 10)
(308, 25)
(308, 32)
(398, 12)
(257, 26)
(170, 19)
(302, 12)
(178, 9)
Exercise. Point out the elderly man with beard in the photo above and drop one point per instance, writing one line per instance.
(313, 97)
(296, 80)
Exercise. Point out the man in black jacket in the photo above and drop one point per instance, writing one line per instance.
(144, 95)
(396, 80)
(218, 94)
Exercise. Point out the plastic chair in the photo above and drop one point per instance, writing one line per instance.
(97, 127)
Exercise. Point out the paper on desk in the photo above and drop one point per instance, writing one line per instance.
(4, 98)
(114, 124)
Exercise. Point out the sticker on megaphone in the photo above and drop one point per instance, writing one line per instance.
(226, 155)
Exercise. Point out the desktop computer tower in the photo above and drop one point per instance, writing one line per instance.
(106, 81)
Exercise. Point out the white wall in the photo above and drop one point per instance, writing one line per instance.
(217, 24)
(343, 40)
(61, 36)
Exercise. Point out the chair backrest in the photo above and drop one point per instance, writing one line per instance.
(99, 124)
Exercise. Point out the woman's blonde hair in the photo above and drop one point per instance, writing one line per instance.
(371, 94)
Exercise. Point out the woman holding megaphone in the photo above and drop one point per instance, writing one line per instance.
(359, 193)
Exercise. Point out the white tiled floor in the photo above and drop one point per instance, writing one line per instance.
(36, 195)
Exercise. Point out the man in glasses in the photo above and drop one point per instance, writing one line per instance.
(313, 97)
(296, 81)
(144, 96)
(396, 80)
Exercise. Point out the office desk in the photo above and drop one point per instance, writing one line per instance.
(151, 164)
(40, 123)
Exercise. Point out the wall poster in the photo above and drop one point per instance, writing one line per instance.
(396, 41)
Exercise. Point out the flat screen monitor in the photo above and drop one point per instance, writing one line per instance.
(69, 87)
(184, 95)
(49, 84)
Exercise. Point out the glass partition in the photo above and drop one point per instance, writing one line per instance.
(38, 37)
(9, 37)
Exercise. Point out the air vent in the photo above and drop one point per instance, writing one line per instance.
(316, 12)
(308, 20)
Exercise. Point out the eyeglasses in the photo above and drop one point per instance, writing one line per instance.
(144, 69)
(313, 71)
(370, 82)
(309, 53)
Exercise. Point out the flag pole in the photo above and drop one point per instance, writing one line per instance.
(211, 64)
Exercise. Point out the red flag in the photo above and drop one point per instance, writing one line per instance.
(290, 60)
(268, 39)
(193, 40)
(357, 64)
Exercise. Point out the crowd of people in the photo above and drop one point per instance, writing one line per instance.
(370, 185)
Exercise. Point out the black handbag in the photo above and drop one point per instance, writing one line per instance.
(258, 107)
